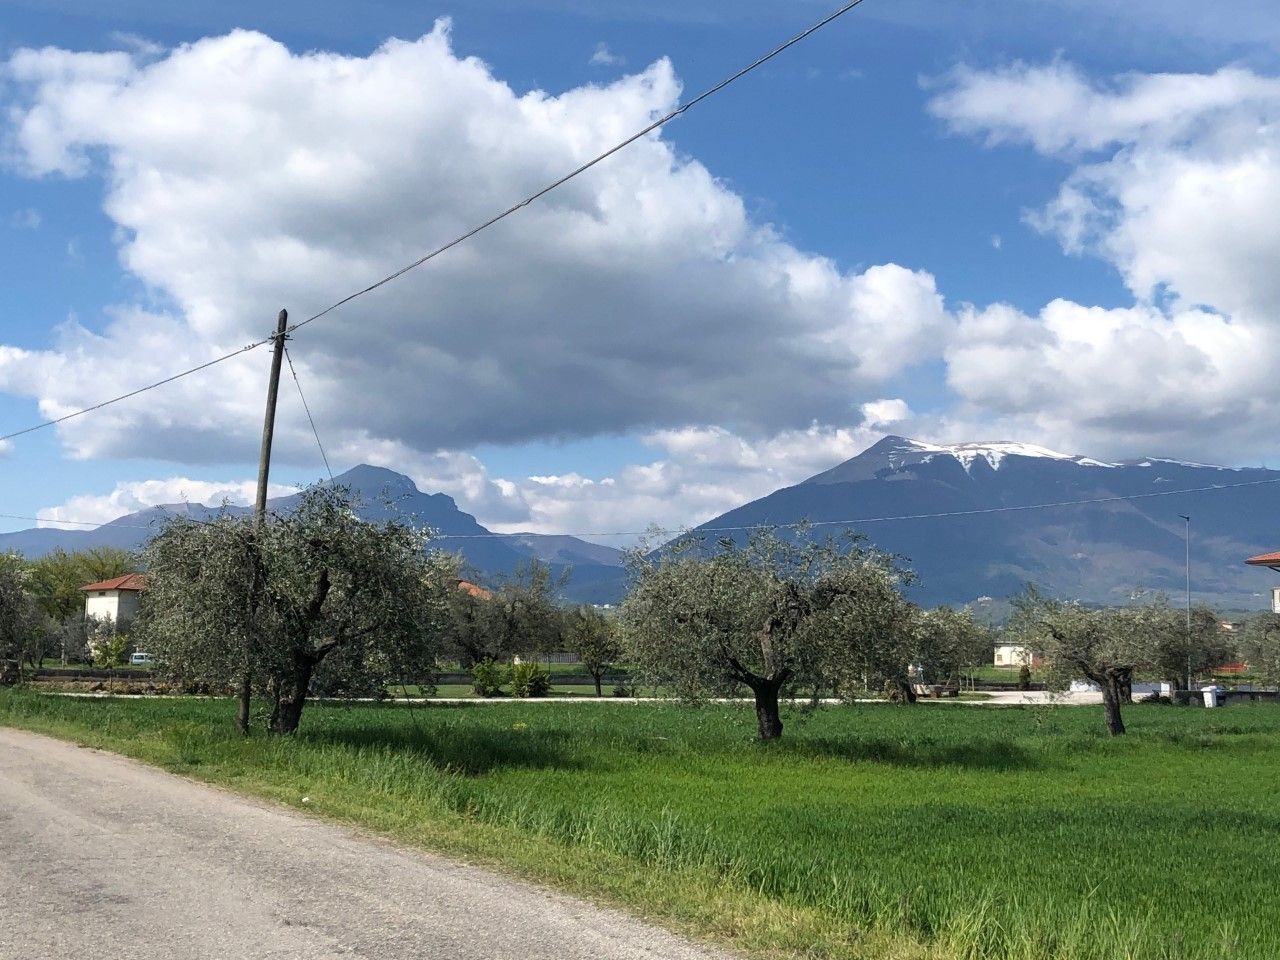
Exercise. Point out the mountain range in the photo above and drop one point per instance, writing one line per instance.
(973, 520)
(983, 519)
(382, 493)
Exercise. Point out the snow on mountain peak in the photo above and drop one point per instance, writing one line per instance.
(995, 451)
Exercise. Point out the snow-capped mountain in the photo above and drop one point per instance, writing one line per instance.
(978, 519)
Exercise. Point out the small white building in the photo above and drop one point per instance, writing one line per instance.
(114, 600)
(1015, 655)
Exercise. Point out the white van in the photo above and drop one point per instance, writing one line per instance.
(141, 659)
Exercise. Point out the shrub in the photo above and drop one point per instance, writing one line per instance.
(530, 680)
(622, 690)
(1024, 677)
(488, 676)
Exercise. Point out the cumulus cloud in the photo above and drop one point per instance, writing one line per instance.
(132, 496)
(243, 177)
(699, 473)
(1173, 180)
(696, 473)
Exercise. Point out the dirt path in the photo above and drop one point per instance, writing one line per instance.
(103, 858)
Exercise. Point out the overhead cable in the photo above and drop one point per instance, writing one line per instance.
(303, 397)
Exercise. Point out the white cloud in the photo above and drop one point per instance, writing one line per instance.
(703, 472)
(243, 177)
(604, 57)
(131, 496)
(1173, 180)
(697, 473)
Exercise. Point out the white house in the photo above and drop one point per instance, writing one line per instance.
(1015, 655)
(116, 599)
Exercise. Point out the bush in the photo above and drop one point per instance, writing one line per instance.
(488, 676)
(1024, 677)
(530, 680)
(622, 690)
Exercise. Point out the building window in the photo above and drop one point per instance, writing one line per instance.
(102, 593)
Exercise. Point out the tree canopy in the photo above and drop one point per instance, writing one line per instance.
(312, 598)
(21, 627)
(765, 614)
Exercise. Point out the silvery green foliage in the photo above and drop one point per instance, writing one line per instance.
(946, 642)
(784, 611)
(1106, 647)
(21, 624)
(594, 638)
(1174, 649)
(1260, 646)
(316, 599)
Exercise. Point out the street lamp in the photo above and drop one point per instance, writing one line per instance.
(1188, 541)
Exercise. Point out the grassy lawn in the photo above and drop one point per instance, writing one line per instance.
(873, 831)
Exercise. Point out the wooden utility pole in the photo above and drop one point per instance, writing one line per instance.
(260, 507)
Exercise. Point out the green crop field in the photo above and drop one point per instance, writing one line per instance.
(876, 831)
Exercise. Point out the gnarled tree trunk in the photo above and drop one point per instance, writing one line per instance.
(1114, 683)
(291, 696)
(768, 719)
(765, 690)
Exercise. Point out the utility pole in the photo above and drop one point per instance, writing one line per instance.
(260, 507)
(1188, 542)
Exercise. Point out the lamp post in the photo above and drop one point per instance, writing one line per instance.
(1188, 543)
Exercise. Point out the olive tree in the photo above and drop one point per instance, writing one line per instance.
(763, 615)
(1260, 646)
(946, 641)
(594, 638)
(1104, 646)
(21, 634)
(283, 600)
(527, 609)
(1176, 653)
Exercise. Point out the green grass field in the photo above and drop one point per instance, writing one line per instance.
(934, 831)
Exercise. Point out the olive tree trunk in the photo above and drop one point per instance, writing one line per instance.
(1113, 685)
(291, 697)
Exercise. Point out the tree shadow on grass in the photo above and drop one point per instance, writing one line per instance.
(472, 751)
(994, 755)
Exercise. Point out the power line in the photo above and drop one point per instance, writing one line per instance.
(133, 393)
(303, 397)
(662, 121)
(791, 525)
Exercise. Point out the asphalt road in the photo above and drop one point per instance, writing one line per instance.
(102, 858)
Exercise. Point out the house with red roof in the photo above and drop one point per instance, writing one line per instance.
(1271, 560)
(115, 600)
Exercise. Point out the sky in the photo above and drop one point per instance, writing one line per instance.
(1051, 222)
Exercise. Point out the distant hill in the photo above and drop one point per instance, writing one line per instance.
(383, 493)
(1097, 552)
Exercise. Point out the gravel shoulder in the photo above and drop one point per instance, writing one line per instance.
(105, 858)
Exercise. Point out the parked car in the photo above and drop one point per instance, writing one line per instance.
(141, 659)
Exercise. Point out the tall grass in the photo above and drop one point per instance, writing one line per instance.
(933, 831)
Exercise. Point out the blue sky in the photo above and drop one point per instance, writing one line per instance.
(846, 148)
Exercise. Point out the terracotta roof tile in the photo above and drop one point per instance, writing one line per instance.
(130, 581)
